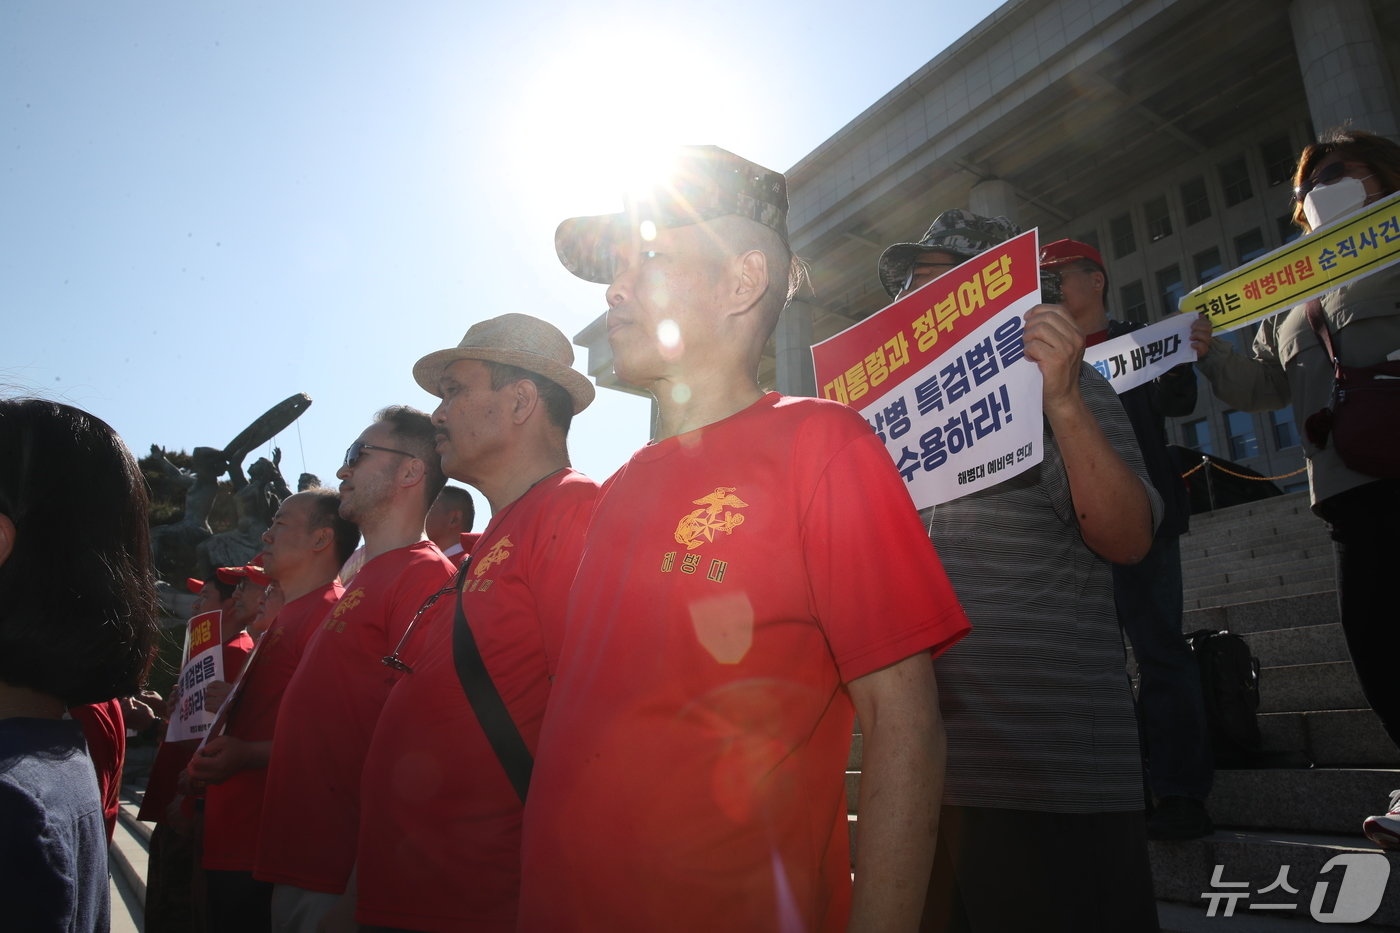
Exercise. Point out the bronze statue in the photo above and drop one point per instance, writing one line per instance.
(187, 546)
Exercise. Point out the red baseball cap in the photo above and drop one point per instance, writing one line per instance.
(253, 572)
(233, 575)
(1063, 251)
(193, 585)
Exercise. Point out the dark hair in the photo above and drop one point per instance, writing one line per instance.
(557, 403)
(415, 432)
(325, 513)
(77, 593)
(1382, 155)
(455, 497)
(225, 589)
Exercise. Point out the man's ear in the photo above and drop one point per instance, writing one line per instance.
(524, 398)
(413, 472)
(7, 537)
(751, 280)
(322, 538)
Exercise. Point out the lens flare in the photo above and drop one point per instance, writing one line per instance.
(668, 334)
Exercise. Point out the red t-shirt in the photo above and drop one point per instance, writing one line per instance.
(691, 773)
(439, 820)
(104, 727)
(172, 757)
(312, 801)
(233, 809)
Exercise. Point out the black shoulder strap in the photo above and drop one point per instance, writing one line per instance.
(486, 701)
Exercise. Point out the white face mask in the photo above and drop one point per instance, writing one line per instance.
(1326, 203)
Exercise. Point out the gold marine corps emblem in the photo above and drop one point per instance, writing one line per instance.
(347, 602)
(499, 552)
(716, 516)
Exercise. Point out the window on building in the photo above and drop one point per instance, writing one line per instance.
(1284, 428)
(1239, 428)
(1134, 302)
(1249, 245)
(1159, 220)
(1121, 230)
(1234, 181)
(1195, 201)
(1170, 288)
(1196, 435)
(1287, 230)
(1278, 161)
(1208, 265)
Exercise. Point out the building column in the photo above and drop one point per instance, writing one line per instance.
(1344, 66)
(993, 198)
(792, 348)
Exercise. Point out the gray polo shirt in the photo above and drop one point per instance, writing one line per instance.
(1036, 699)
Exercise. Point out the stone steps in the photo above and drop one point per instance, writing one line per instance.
(1183, 871)
(127, 863)
(1304, 644)
(1331, 738)
(1305, 687)
(1301, 800)
(1247, 573)
(1226, 594)
(1247, 617)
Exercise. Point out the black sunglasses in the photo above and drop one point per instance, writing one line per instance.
(352, 455)
(1332, 173)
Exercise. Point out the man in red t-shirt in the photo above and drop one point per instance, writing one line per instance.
(310, 816)
(303, 550)
(439, 846)
(748, 580)
(450, 521)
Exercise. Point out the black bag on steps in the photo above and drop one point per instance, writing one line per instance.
(1230, 684)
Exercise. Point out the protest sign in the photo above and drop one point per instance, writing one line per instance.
(941, 377)
(1134, 358)
(205, 662)
(1339, 253)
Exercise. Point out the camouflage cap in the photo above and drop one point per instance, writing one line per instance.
(705, 182)
(962, 233)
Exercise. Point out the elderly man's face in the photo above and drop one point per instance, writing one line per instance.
(290, 539)
(929, 265)
(661, 302)
(471, 420)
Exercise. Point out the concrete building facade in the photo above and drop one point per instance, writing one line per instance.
(1162, 131)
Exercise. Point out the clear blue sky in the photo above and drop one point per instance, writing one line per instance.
(207, 208)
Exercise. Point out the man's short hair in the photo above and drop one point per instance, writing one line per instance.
(224, 589)
(415, 433)
(785, 270)
(455, 497)
(557, 403)
(325, 513)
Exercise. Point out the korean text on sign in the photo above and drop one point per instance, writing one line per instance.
(1142, 355)
(960, 411)
(1340, 253)
(189, 718)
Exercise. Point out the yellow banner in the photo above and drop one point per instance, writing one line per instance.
(1337, 254)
